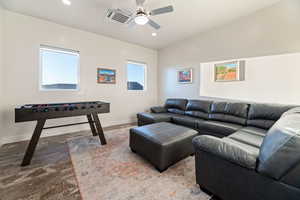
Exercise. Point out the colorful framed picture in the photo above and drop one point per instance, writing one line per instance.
(229, 71)
(107, 76)
(185, 75)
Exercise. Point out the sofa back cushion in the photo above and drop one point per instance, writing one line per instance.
(198, 108)
(279, 155)
(229, 112)
(177, 106)
(265, 115)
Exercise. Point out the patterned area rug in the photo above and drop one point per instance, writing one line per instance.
(113, 172)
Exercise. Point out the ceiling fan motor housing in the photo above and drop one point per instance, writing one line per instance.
(141, 11)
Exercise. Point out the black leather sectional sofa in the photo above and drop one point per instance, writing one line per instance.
(244, 150)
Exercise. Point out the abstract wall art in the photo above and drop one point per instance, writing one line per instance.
(185, 75)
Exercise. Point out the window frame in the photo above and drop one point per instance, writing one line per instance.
(145, 74)
(61, 50)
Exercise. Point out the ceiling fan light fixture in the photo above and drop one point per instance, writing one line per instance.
(141, 19)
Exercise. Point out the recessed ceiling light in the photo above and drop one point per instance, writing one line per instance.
(154, 34)
(66, 2)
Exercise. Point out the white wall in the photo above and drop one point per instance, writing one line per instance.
(267, 79)
(23, 36)
(273, 30)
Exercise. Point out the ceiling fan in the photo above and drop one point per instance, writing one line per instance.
(140, 17)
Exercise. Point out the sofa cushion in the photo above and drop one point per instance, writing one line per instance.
(198, 108)
(176, 103)
(292, 111)
(229, 112)
(279, 152)
(176, 111)
(187, 121)
(254, 130)
(220, 128)
(265, 115)
(176, 106)
(158, 109)
(150, 118)
(247, 138)
(231, 150)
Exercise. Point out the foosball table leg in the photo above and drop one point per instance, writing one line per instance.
(92, 126)
(33, 142)
(99, 128)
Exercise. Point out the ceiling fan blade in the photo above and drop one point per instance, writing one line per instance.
(154, 24)
(140, 2)
(163, 10)
(131, 23)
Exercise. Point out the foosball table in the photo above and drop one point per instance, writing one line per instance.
(42, 112)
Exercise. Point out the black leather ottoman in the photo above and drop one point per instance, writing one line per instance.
(162, 144)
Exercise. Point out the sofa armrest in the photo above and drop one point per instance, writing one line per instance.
(227, 150)
(158, 109)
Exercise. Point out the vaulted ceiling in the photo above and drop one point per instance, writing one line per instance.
(189, 17)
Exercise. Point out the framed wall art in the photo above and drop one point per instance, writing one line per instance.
(229, 71)
(185, 75)
(106, 76)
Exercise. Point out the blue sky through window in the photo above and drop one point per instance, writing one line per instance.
(59, 67)
(136, 73)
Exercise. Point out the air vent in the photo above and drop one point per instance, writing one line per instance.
(118, 15)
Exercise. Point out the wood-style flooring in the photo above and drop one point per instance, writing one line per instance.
(50, 175)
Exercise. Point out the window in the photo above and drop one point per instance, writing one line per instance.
(59, 69)
(136, 76)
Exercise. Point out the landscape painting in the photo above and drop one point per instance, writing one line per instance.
(106, 76)
(228, 71)
(185, 76)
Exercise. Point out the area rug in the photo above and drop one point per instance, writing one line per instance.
(113, 172)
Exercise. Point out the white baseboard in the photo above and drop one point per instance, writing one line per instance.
(59, 131)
